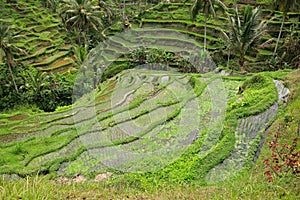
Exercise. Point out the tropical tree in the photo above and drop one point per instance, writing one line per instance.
(244, 32)
(36, 82)
(47, 90)
(207, 8)
(125, 20)
(82, 15)
(108, 8)
(7, 45)
(284, 6)
(80, 53)
(124, 9)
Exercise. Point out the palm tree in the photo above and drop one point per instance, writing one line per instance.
(107, 7)
(284, 6)
(207, 7)
(36, 81)
(125, 20)
(7, 40)
(82, 15)
(80, 53)
(243, 33)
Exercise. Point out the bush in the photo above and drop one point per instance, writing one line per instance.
(46, 91)
(56, 91)
(256, 82)
(284, 160)
(256, 95)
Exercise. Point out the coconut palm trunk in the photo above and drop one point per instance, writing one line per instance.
(242, 62)
(208, 10)
(7, 44)
(205, 21)
(284, 6)
(10, 63)
(124, 9)
(279, 35)
(228, 57)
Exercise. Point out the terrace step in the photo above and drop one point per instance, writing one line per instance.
(58, 64)
(51, 59)
(37, 53)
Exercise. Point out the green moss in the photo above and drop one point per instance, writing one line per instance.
(255, 82)
(265, 2)
(209, 38)
(250, 59)
(44, 28)
(38, 53)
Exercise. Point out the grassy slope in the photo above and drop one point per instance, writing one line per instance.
(20, 157)
(250, 185)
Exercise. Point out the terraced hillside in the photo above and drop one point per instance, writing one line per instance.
(177, 16)
(155, 119)
(150, 118)
(43, 38)
(47, 48)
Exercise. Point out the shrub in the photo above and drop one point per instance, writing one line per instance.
(255, 82)
(285, 159)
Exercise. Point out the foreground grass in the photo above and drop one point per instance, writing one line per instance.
(250, 186)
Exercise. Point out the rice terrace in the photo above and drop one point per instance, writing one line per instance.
(120, 99)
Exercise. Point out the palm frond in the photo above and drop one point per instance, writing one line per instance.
(245, 31)
(196, 7)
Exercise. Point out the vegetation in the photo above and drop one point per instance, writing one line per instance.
(244, 33)
(252, 184)
(207, 7)
(284, 6)
(74, 102)
(6, 44)
(81, 15)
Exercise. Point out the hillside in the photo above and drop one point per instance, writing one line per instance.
(48, 47)
(140, 110)
(71, 134)
(86, 139)
(176, 15)
(44, 40)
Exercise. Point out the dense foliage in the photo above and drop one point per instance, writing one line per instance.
(46, 91)
(41, 55)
